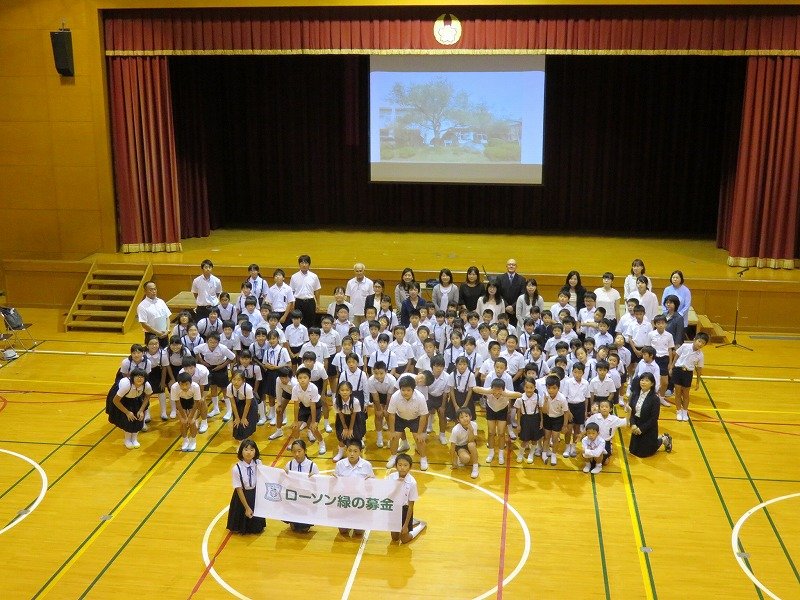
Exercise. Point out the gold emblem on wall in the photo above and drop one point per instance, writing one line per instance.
(447, 30)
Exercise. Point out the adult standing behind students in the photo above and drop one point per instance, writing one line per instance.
(374, 299)
(306, 286)
(682, 292)
(471, 290)
(357, 291)
(206, 289)
(510, 286)
(401, 290)
(445, 291)
(154, 316)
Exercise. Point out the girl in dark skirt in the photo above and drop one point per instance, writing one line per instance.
(243, 501)
(157, 378)
(300, 464)
(127, 408)
(349, 426)
(245, 412)
(645, 408)
(530, 421)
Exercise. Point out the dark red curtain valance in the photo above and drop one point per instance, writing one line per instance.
(719, 30)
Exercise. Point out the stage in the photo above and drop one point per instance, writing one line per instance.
(768, 296)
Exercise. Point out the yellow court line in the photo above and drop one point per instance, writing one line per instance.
(68, 565)
(747, 410)
(636, 532)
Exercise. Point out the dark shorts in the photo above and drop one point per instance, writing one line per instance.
(578, 413)
(332, 370)
(218, 378)
(434, 403)
(682, 377)
(608, 451)
(297, 359)
(553, 423)
(383, 398)
(496, 415)
(187, 403)
(304, 413)
(663, 364)
(401, 424)
(403, 518)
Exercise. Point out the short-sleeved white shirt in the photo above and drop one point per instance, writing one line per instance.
(207, 290)
(304, 286)
(306, 397)
(362, 469)
(410, 491)
(408, 409)
(460, 436)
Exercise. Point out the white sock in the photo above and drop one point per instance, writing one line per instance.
(262, 411)
(162, 403)
(171, 404)
(135, 437)
(215, 402)
(228, 407)
(271, 412)
(128, 436)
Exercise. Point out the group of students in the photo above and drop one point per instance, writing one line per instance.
(540, 374)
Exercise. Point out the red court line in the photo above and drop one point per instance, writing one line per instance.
(228, 535)
(502, 565)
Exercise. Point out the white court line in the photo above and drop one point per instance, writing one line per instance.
(489, 593)
(735, 540)
(76, 353)
(19, 518)
(356, 562)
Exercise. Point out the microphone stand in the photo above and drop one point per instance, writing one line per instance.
(734, 342)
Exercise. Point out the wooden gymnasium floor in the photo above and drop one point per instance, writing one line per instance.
(144, 523)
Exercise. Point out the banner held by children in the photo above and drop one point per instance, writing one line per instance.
(375, 504)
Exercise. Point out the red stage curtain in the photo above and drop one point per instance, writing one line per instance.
(343, 30)
(144, 154)
(763, 208)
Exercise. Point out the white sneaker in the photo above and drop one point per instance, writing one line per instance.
(128, 444)
(679, 415)
(203, 426)
(145, 427)
(385, 427)
(261, 421)
(429, 429)
(553, 460)
(328, 428)
(520, 456)
(442, 439)
(423, 463)
(572, 451)
(621, 402)
(490, 456)
(227, 417)
(338, 456)
(404, 446)
(544, 456)
(537, 451)
(272, 420)
(135, 443)
(474, 473)
(192, 445)
(664, 402)
(685, 415)
(587, 467)
(565, 454)
(596, 470)
(311, 437)
(379, 442)
(185, 445)
(285, 419)
(529, 460)
(278, 433)
(668, 393)
(173, 414)
(214, 412)
(303, 425)
(501, 458)
(164, 417)
(147, 418)
(322, 448)
(511, 434)
(391, 461)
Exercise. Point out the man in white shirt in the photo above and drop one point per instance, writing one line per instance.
(281, 297)
(357, 290)
(154, 316)
(206, 289)
(408, 409)
(305, 287)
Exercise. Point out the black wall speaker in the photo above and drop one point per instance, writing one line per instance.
(62, 52)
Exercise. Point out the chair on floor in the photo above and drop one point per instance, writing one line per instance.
(17, 338)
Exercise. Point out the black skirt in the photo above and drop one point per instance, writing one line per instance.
(237, 521)
(154, 379)
(241, 432)
(359, 428)
(118, 418)
(530, 429)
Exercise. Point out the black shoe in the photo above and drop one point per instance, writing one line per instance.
(667, 442)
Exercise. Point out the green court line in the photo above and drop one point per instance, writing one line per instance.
(638, 516)
(56, 449)
(600, 539)
(721, 498)
(99, 525)
(45, 443)
(759, 479)
(72, 466)
(150, 514)
(752, 483)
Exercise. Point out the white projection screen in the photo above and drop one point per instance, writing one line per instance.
(457, 119)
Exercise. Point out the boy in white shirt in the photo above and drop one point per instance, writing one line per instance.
(411, 527)
(576, 391)
(437, 391)
(402, 350)
(281, 297)
(594, 449)
(686, 361)
(607, 424)
(556, 413)
(408, 409)
(463, 442)
(661, 340)
(314, 345)
(308, 408)
(296, 335)
(601, 387)
(380, 386)
(497, 417)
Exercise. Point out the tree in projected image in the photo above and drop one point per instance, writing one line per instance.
(433, 121)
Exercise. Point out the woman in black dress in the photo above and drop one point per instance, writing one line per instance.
(645, 409)
(471, 290)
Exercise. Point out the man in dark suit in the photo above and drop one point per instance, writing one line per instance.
(511, 285)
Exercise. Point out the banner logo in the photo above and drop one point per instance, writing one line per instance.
(273, 492)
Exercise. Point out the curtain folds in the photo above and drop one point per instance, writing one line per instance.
(762, 210)
(144, 154)
(692, 29)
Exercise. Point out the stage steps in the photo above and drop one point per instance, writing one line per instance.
(107, 299)
(715, 332)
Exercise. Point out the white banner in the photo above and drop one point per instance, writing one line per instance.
(346, 502)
